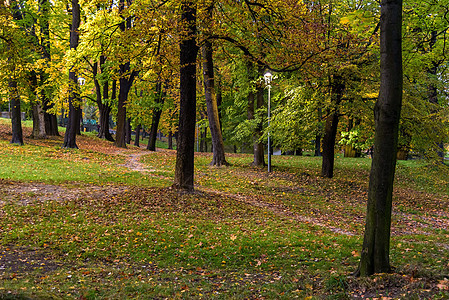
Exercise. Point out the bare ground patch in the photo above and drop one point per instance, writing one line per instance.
(26, 193)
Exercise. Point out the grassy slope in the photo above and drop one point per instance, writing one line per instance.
(244, 234)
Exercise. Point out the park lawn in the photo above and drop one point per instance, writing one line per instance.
(120, 232)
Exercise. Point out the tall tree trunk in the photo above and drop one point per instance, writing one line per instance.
(137, 139)
(318, 136)
(74, 101)
(50, 119)
(218, 158)
(103, 101)
(317, 145)
(375, 256)
(79, 114)
(128, 131)
(103, 132)
(259, 157)
(219, 99)
(200, 133)
(202, 137)
(38, 122)
(170, 140)
(73, 123)
(330, 129)
(125, 83)
(157, 112)
(184, 171)
(16, 114)
(38, 131)
(14, 97)
(125, 86)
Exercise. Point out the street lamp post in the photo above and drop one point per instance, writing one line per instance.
(268, 77)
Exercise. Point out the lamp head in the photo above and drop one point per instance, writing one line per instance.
(268, 77)
(81, 80)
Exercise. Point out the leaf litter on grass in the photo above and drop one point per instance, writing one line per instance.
(204, 266)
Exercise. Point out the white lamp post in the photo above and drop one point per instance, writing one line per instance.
(268, 77)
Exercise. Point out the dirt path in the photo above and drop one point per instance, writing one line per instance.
(279, 210)
(26, 193)
(133, 162)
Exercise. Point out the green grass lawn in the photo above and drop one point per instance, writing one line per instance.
(119, 233)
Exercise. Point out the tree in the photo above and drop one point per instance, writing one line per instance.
(38, 131)
(38, 113)
(136, 140)
(125, 82)
(159, 101)
(184, 170)
(218, 158)
(16, 115)
(51, 123)
(346, 45)
(102, 98)
(258, 145)
(255, 100)
(424, 126)
(74, 99)
(44, 121)
(157, 112)
(375, 256)
(330, 128)
(292, 122)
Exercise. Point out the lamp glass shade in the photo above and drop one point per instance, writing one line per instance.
(268, 77)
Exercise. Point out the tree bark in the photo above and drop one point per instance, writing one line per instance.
(170, 140)
(120, 135)
(318, 136)
(128, 131)
(157, 112)
(202, 136)
(317, 145)
(259, 156)
(74, 99)
(184, 171)
(137, 139)
(103, 132)
(103, 101)
(219, 99)
(16, 115)
(38, 122)
(375, 256)
(51, 121)
(218, 157)
(38, 131)
(160, 97)
(330, 129)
